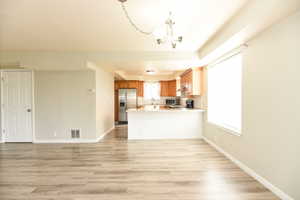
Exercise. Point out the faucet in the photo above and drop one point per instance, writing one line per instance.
(152, 101)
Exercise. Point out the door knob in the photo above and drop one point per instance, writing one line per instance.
(28, 110)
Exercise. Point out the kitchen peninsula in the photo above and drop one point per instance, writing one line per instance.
(161, 122)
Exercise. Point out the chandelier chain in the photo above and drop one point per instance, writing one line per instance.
(132, 23)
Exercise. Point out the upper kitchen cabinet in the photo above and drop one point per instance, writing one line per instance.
(163, 88)
(140, 89)
(131, 84)
(178, 92)
(168, 88)
(172, 88)
(121, 84)
(191, 82)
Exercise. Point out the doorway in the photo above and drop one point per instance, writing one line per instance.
(16, 109)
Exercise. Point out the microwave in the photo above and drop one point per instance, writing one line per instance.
(170, 101)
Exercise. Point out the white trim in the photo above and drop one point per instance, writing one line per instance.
(219, 55)
(33, 105)
(225, 128)
(105, 133)
(1, 109)
(226, 56)
(251, 172)
(72, 141)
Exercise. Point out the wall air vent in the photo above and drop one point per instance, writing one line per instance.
(75, 133)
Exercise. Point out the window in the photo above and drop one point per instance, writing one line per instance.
(152, 90)
(225, 93)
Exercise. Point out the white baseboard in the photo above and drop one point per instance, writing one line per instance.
(251, 172)
(105, 133)
(72, 141)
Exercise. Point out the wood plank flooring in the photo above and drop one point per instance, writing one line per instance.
(125, 170)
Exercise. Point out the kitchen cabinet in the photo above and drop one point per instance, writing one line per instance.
(121, 84)
(163, 88)
(168, 88)
(140, 89)
(131, 84)
(172, 88)
(178, 92)
(191, 82)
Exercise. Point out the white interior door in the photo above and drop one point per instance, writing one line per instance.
(17, 106)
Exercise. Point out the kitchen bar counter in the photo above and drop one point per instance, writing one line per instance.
(159, 108)
(161, 122)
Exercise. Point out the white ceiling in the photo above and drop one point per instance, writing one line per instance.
(97, 30)
(66, 34)
(100, 25)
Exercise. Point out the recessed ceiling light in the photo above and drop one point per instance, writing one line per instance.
(150, 71)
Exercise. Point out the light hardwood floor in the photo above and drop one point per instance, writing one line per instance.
(125, 170)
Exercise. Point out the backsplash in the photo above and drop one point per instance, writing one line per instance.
(161, 101)
(198, 101)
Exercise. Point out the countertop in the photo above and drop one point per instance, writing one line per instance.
(159, 108)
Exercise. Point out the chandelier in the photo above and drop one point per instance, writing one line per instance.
(162, 36)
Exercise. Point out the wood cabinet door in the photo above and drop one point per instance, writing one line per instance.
(172, 88)
(183, 84)
(186, 81)
(163, 88)
(123, 84)
(189, 82)
(178, 87)
(140, 90)
(133, 84)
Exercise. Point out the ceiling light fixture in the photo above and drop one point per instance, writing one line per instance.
(150, 71)
(162, 36)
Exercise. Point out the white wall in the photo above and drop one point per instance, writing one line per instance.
(81, 99)
(63, 100)
(270, 140)
(0, 116)
(104, 101)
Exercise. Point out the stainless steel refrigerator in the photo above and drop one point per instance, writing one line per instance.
(127, 100)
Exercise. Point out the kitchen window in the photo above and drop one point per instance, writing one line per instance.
(225, 94)
(151, 90)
